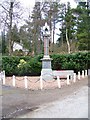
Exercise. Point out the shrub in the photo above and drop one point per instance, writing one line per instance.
(9, 64)
(25, 65)
(76, 61)
(35, 67)
(24, 69)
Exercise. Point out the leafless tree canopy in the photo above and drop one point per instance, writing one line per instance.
(5, 8)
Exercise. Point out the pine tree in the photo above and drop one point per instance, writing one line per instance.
(83, 26)
(67, 24)
(36, 28)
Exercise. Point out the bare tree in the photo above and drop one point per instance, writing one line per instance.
(10, 14)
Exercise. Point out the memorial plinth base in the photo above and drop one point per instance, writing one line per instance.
(47, 74)
(46, 71)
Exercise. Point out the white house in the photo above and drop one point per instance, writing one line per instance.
(19, 46)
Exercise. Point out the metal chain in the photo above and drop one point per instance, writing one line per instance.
(31, 81)
(50, 82)
(37, 80)
(19, 79)
(8, 78)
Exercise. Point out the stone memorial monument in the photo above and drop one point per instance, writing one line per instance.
(46, 71)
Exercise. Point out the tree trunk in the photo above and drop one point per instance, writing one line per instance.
(53, 35)
(68, 44)
(50, 36)
(10, 29)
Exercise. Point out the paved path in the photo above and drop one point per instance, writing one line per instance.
(18, 102)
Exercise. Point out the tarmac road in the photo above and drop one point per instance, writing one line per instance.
(73, 106)
(19, 102)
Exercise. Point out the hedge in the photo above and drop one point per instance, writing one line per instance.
(26, 65)
(75, 61)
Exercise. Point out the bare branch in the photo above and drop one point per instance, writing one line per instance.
(4, 7)
(5, 21)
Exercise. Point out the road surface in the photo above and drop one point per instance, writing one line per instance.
(73, 106)
(18, 103)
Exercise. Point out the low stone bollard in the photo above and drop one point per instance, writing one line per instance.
(68, 82)
(25, 81)
(74, 79)
(14, 80)
(79, 75)
(82, 73)
(59, 82)
(41, 82)
(3, 77)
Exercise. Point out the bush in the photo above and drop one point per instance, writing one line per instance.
(9, 64)
(35, 67)
(23, 68)
(76, 61)
(25, 65)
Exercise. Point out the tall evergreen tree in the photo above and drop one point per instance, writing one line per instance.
(83, 26)
(15, 34)
(36, 27)
(67, 25)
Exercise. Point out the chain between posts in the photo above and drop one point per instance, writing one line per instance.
(33, 82)
(50, 82)
(19, 79)
(8, 78)
(54, 79)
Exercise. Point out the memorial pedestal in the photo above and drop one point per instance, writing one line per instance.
(46, 72)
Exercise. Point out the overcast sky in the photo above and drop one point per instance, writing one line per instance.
(30, 3)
